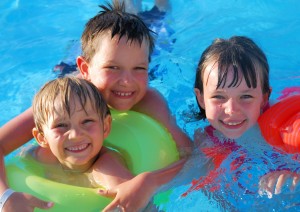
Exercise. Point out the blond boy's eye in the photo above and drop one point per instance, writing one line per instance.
(114, 67)
(88, 121)
(60, 125)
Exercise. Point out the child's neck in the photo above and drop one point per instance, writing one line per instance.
(81, 168)
(75, 170)
(45, 156)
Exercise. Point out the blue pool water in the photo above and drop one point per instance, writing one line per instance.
(35, 36)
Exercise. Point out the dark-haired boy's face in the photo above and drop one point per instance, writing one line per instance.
(231, 110)
(119, 69)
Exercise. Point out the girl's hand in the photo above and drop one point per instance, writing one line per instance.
(272, 182)
(24, 202)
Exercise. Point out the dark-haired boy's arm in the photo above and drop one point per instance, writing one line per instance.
(135, 194)
(18, 201)
(14, 134)
(155, 106)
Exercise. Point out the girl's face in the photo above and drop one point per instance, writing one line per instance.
(119, 69)
(75, 140)
(232, 110)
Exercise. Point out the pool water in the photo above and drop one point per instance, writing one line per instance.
(36, 36)
(234, 185)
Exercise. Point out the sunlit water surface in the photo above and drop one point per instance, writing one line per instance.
(35, 36)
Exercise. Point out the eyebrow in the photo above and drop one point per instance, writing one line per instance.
(249, 90)
(220, 90)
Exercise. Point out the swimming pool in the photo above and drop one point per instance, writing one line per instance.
(36, 36)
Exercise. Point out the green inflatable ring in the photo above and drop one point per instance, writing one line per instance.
(144, 143)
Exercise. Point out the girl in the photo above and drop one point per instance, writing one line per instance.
(232, 90)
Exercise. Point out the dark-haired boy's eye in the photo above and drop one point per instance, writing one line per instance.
(218, 97)
(141, 69)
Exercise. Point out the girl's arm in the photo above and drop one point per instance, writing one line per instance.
(273, 182)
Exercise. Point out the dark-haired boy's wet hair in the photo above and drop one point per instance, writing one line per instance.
(240, 53)
(113, 18)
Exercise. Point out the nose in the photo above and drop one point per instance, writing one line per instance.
(125, 78)
(230, 107)
(75, 133)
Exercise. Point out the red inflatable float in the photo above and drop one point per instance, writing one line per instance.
(280, 124)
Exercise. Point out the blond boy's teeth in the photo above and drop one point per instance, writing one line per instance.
(77, 148)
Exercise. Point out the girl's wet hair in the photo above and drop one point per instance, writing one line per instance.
(245, 58)
(113, 18)
(61, 92)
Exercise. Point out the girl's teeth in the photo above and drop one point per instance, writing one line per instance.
(234, 123)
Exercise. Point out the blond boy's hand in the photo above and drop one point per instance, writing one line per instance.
(25, 203)
(273, 182)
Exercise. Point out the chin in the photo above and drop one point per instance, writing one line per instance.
(233, 135)
(120, 107)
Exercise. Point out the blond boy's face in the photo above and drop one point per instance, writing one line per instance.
(119, 69)
(74, 140)
(232, 110)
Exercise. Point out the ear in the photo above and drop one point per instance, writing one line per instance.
(200, 98)
(83, 66)
(107, 125)
(39, 137)
(269, 94)
(265, 103)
